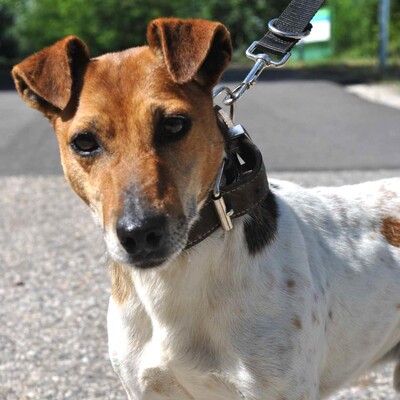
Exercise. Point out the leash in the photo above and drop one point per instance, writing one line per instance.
(242, 183)
(273, 49)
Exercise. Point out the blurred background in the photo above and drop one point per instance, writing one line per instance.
(355, 26)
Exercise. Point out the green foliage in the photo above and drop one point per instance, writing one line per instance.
(8, 45)
(116, 24)
(394, 45)
(246, 19)
(104, 24)
(355, 27)
(111, 25)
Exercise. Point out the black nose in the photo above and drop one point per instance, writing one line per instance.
(142, 237)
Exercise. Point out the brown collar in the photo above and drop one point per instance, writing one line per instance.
(246, 183)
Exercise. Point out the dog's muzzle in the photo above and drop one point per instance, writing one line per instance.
(142, 238)
(145, 238)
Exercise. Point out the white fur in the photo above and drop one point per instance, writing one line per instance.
(316, 308)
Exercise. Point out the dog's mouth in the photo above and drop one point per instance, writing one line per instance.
(146, 263)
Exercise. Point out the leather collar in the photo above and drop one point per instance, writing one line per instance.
(244, 183)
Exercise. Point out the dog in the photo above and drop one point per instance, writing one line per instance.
(300, 297)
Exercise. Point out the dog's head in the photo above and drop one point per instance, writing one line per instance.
(138, 137)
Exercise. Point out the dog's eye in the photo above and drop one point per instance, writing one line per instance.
(85, 144)
(173, 128)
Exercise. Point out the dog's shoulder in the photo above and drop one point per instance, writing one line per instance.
(381, 195)
(370, 207)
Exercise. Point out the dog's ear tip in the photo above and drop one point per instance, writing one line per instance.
(14, 71)
(45, 79)
(74, 39)
(192, 49)
(74, 44)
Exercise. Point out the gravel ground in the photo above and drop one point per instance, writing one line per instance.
(54, 291)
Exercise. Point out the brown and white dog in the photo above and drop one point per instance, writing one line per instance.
(300, 297)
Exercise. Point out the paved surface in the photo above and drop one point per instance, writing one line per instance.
(300, 125)
(54, 284)
(54, 289)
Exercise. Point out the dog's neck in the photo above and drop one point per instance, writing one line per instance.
(205, 277)
(197, 281)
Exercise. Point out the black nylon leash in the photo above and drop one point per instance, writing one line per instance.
(292, 25)
(282, 34)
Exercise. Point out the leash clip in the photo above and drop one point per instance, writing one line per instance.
(224, 215)
(228, 95)
(262, 61)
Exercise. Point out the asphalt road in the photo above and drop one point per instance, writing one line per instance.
(54, 284)
(298, 125)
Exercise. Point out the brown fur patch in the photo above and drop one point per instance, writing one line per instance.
(390, 229)
(297, 323)
(121, 283)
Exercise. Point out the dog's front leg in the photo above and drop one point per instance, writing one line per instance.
(135, 355)
(126, 339)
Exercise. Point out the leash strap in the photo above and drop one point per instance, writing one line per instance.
(292, 25)
(283, 33)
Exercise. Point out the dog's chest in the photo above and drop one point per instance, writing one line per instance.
(151, 368)
(184, 385)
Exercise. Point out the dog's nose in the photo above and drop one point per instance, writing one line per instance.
(142, 237)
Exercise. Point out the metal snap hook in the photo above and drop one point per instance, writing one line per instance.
(229, 95)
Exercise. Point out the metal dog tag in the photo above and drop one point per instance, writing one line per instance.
(223, 214)
(219, 203)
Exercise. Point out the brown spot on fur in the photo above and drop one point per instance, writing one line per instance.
(121, 283)
(156, 387)
(387, 195)
(398, 306)
(290, 283)
(297, 323)
(390, 229)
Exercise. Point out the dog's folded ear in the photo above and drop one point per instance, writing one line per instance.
(192, 49)
(47, 79)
